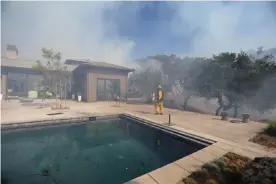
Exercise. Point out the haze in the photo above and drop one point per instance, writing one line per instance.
(120, 32)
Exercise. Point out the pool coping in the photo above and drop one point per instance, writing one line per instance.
(167, 129)
(54, 122)
(174, 172)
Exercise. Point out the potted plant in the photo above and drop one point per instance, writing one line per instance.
(79, 96)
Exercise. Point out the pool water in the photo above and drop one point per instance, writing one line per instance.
(102, 152)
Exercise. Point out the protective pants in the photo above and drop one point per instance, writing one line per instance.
(159, 107)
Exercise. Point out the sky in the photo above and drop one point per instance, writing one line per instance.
(120, 32)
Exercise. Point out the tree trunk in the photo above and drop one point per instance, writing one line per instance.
(235, 111)
(186, 102)
(227, 107)
(220, 102)
(218, 110)
(178, 106)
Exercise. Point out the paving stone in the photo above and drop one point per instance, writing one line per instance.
(169, 174)
(203, 156)
(215, 151)
(145, 179)
(189, 163)
(246, 153)
(224, 146)
(248, 147)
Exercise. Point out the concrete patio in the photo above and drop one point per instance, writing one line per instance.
(14, 111)
(228, 136)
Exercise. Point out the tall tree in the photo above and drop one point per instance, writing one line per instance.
(234, 79)
(181, 73)
(265, 83)
(147, 81)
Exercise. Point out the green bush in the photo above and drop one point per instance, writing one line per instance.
(211, 167)
(271, 128)
(220, 163)
(44, 94)
(41, 94)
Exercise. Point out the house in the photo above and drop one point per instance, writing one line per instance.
(99, 81)
(95, 81)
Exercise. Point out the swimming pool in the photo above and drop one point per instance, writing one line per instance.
(99, 151)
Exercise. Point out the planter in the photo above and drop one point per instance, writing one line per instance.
(79, 98)
(245, 118)
(224, 116)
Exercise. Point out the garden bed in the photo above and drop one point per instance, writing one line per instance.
(227, 169)
(235, 169)
(268, 137)
(264, 139)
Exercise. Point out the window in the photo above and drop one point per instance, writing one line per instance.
(20, 84)
(108, 89)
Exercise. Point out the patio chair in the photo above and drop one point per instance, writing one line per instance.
(120, 99)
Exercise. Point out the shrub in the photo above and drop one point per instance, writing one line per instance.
(220, 163)
(211, 181)
(201, 175)
(189, 181)
(271, 128)
(44, 94)
(211, 167)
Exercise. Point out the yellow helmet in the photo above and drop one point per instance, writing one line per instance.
(159, 87)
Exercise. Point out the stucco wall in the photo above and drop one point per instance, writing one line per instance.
(11, 54)
(4, 81)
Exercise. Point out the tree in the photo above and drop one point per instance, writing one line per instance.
(233, 79)
(264, 97)
(56, 75)
(186, 80)
(181, 73)
(147, 81)
(223, 78)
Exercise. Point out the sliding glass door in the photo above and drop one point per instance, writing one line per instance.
(19, 84)
(107, 89)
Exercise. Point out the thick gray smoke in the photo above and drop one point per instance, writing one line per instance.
(230, 27)
(76, 29)
(79, 30)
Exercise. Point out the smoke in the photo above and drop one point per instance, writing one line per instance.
(220, 26)
(76, 29)
(79, 30)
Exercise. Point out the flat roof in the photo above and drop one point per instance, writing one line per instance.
(96, 64)
(12, 48)
(21, 63)
(70, 64)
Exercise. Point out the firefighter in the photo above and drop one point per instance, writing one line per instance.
(160, 99)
